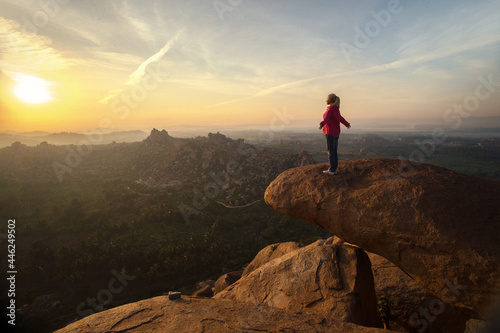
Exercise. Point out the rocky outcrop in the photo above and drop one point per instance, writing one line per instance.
(439, 226)
(158, 137)
(269, 253)
(207, 315)
(407, 298)
(226, 280)
(326, 279)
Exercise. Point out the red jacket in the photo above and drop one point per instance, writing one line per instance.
(331, 121)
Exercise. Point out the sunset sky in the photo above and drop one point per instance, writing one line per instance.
(83, 64)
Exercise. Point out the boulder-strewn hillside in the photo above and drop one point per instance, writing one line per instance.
(240, 171)
(439, 226)
(170, 211)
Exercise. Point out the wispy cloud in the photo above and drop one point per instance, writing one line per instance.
(137, 76)
(139, 73)
(275, 89)
(27, 52)
(414, 54)
(259, 54)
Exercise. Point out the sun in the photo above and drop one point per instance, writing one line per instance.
(31, 89)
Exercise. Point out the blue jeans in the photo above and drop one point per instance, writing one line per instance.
(332, 143)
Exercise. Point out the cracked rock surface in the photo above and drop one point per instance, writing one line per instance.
(206, 315)
(326, 279)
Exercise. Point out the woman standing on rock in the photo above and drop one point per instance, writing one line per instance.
(331, 128)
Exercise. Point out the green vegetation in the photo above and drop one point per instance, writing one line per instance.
(73, 236)
(384, 307)
(69, 243)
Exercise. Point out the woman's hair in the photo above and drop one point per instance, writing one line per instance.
(335, 100)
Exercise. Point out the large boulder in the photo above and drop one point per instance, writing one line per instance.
(439, 226)
(329, 280)
(407, 298)
(207, 315)
(269, 253)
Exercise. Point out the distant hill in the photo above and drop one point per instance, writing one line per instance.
(68, 138)
(469, 127)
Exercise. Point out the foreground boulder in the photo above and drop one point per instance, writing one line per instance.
(269, 253)
(439, 226)
(206, 315)
(326, 279)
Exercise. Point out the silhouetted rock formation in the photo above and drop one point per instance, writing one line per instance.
(158, 137)
(329, 280)
(439, 226)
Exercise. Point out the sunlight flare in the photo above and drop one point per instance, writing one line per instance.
(32, 90)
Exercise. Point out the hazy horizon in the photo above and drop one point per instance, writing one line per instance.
(475, 127)
(363, 124)
(78, 66)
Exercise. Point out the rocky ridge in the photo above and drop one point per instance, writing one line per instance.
(236, 171)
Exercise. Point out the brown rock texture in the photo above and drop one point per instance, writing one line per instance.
(475, 326)
(409, 300)
(206, 291)
(269, 253)
(439, 226)
(226, 280)
(206, 315)
(326, 279)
